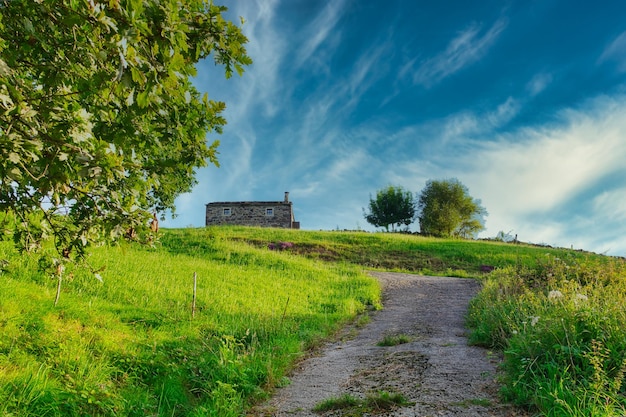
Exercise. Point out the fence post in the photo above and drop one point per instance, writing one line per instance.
(60, 268)
(193, 303)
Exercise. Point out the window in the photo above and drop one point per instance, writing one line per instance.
(269, 211)
(226, 212)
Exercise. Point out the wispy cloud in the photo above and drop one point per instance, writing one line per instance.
(453, 131)
(320, 30)
(465, 49)
(616, 52)
(260, 87)
(538, 83)
(612, 204)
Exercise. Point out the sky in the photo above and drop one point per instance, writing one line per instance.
(524, 102)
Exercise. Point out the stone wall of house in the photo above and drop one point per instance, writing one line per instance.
(251, 214)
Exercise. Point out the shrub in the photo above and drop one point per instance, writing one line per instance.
(562, 327)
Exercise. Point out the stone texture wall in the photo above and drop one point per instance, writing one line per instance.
(252, 214)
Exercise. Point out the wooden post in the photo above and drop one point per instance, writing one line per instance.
(193, 303)
(60, 274)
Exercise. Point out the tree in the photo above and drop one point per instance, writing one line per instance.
(393, 206)
(446, 209)
(100, 125)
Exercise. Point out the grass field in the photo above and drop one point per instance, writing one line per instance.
(129, 346)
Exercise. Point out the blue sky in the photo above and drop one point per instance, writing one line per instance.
(523, 101)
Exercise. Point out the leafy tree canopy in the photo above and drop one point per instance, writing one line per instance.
(99, 122)
(446, 209)
(392, 206)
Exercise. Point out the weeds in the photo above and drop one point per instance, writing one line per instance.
(562, 327)
(339, 403)
(355, 407)
(394, 340)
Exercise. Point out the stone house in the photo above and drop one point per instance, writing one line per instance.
(253, 213)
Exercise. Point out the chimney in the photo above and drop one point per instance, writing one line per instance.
(286, 196)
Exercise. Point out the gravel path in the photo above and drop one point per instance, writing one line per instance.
(436, 370)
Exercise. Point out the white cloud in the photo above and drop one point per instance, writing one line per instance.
(538, 83)
(261, 84)
(616, 51)
(527, 176)
(611, 204)
(544, 169)
(504, 113)
(465, 49)
(452, 132)
(320, 30)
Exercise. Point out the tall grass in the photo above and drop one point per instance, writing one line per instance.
(128, 346)
(562, 327)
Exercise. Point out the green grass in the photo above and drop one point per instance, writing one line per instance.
(338, 403)
(129, 346)
(394, 340)
(403, 252)
(355, 407)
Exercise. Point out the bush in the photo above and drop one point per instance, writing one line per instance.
(562, 328)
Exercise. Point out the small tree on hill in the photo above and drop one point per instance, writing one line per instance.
(447, 210)
(392, 206)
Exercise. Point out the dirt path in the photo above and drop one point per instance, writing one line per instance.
(436, 370)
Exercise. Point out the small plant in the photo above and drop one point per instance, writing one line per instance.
(394, 340)
(363, 320)
(482, 402)
(384, 400)
(352, 406)
(338, 403)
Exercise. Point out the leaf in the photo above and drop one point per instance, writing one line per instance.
(4, 68)
(177, 61)
(142, 99)
(28, 26)
(130, 100)
(13, 157)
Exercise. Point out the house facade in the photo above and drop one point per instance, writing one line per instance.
(253, 213)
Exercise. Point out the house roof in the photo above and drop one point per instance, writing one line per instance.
(220, 203)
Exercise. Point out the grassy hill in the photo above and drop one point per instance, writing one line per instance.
(129, 345)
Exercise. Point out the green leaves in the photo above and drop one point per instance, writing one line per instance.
(99, 122)
(392, 206)
(446, 209)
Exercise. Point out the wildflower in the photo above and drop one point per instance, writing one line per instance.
(580, 298)
(534, 320)
(555, 294)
